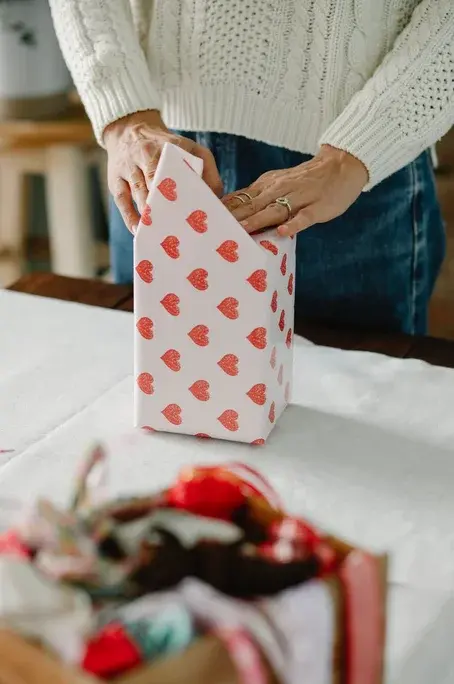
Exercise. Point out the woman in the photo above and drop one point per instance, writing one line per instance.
(324, 105)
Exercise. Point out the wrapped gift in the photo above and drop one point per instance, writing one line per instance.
(213, 313)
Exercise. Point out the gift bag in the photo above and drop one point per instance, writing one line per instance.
(213, 313)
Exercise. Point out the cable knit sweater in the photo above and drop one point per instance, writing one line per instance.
(373, 77)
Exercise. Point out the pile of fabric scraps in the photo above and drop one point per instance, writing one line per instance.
(111, 585)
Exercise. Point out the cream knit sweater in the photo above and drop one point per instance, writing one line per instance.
(373, 77)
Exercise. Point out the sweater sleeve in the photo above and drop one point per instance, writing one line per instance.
(408, 104)
(103, 53)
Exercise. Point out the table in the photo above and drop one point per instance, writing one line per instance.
(98, 293)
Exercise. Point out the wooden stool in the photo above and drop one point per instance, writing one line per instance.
(60, 150)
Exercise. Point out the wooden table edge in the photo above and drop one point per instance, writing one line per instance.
(120, 297)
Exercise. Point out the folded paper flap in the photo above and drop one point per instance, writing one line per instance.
(180, 200)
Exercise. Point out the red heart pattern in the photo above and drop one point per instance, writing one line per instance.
(258, 280)
(171, 246)
(198, 221)
(280, 375)
(146, 216)
(229, 420)
(199, 279)
(168, 189)
(228, 250)
(145, 383)
(171, 359)
(200, 335)
(257, 394)
(258, 338)
(145, 327)
(201, 390)
(270, 247)
(147, 428)
(282, 321)
(229, 308)
(229, 364)
(172, 413)
(144, 270)
(284, 265)
(171, 304)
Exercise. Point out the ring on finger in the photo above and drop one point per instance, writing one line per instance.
(242, 195)
(284, 202)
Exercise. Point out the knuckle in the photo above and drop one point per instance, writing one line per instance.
(120, 196)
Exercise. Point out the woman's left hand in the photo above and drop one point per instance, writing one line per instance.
(317, 191)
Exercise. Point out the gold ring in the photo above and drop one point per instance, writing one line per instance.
(284, 202)
(240, 196)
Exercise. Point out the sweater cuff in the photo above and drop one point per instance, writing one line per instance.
(120, 94)
(370, 137)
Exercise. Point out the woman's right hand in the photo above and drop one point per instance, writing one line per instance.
(134, 145)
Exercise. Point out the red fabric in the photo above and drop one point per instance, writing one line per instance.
(12, 545)
(290, 539)
(111, 652)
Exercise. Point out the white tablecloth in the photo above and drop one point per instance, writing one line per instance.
(366, 450)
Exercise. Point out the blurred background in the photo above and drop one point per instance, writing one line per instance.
(53, 191)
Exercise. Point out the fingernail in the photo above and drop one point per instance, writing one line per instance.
(283, 230)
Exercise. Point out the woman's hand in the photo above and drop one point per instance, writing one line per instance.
(317, 191)
(134, 145)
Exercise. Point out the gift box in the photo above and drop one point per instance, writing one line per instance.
(213, 313)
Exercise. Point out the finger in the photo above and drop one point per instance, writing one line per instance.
(210, 170)
(305, 218)
(149, 169)
(139, 188)
(259, 202)
(123, 200)
(272, 215)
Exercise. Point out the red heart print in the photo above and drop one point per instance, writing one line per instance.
(171, 304)
(229, 364)
(144, 270)
(273, 358)
(282, 321)
(202, 435)
(199, 279)
(188, 164)
(257, 394)
(228, 250)
(258, 442)
(269, 246)
(198, 221)
(200, 390)
(229, 420)
(147, 428)
(145, 327)
(287, 392)
(284, 265)
(200, 335)
(272, 413)
(274, 302)
(290, 284)
(173, 414)
(146, 216)
(145, 383)
(168, 188)
(229, 307)
(288, 341)
(172, 360)
(170, 246)
(258, 338)
(280, 375)
(258, 280)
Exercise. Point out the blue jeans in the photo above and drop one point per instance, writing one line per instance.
(374, 267)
